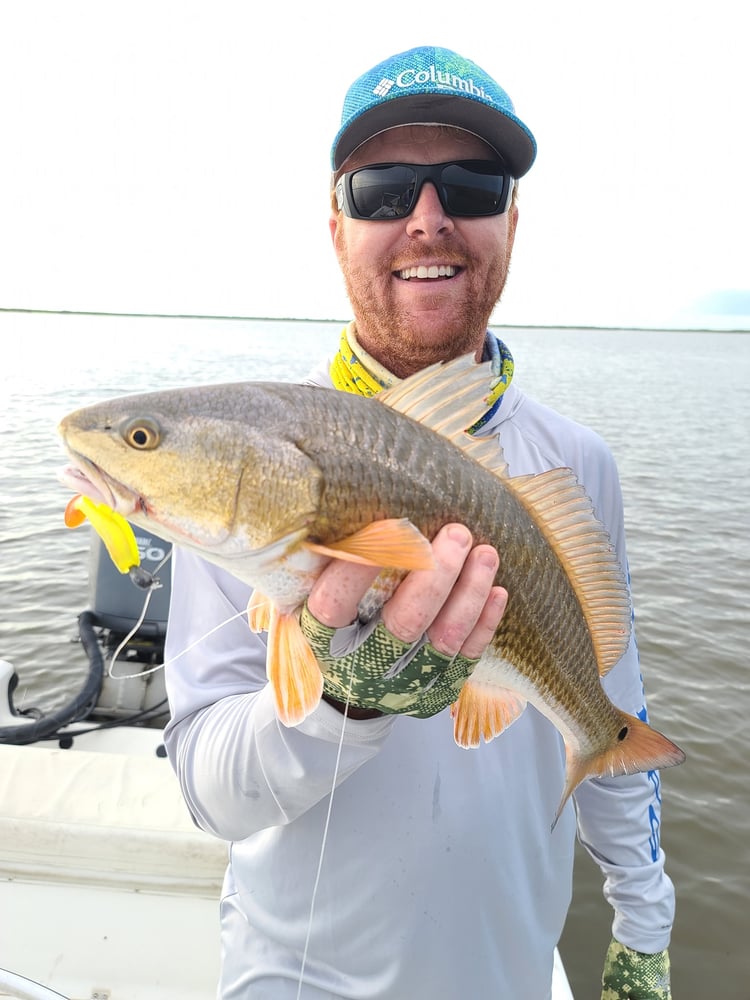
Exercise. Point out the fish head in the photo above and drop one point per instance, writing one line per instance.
(199, 466)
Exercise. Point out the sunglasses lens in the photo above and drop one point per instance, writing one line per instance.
(474, 190)
(385, 192)
(389, 190)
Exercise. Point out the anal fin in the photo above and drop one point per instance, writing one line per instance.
(483, 711)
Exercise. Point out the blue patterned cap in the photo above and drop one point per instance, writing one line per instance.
(430, 85)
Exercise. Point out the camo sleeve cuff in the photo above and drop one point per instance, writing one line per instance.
(383, 672)
(634, 975)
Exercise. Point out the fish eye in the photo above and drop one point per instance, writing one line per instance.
(142, 433)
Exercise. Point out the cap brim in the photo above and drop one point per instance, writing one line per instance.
(505, 133)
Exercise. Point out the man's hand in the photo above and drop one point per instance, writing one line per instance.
(432, 631)
(634, 975)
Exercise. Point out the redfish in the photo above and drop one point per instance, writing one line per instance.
(272, 480)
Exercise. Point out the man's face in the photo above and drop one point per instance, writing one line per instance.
(408, 322)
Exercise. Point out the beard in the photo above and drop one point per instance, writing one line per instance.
(446, 327)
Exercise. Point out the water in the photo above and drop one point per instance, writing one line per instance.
(674, 408)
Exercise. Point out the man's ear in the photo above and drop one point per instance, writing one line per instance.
(513, 212)
(512, 223)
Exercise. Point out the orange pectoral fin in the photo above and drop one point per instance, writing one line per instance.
(292, 669)
(260, 612)
(391, 542)
(483, 712)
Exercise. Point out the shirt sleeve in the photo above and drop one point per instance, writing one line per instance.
(619, 818)
(239, 768)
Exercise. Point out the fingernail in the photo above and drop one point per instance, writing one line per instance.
(500, 598)
(488, 558)
(459, 533)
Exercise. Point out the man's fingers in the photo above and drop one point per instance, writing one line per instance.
(421, 595)
(456, 603)
(469, 616)
(481, 635)
(338, 590)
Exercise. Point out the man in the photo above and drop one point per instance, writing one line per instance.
(439, 875)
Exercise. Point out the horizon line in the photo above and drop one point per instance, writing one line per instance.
(314, 319)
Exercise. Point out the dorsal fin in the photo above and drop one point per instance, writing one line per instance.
(563, 511)
(450, 397)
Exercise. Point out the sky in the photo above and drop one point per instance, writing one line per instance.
(172, 156)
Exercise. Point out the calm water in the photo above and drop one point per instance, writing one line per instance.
(675, 409)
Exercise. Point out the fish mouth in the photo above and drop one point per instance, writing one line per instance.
(83, 476)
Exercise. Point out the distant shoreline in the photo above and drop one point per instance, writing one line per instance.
(319, 319)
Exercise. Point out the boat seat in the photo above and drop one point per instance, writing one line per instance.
(103, 819)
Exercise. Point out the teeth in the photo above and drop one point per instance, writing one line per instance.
(433, 271)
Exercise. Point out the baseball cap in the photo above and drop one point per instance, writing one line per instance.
(429, 85)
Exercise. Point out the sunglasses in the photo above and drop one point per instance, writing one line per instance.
(466, 188)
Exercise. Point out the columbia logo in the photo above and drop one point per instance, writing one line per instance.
(383, 87)
(431, 81)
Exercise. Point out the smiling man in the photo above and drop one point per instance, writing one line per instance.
(441, 879)
(422, 290)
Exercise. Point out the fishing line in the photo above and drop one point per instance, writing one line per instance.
(326, 827)
(144, 580)
(150, 582)
(161, 666)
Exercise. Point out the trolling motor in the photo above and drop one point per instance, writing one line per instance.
(114, 625)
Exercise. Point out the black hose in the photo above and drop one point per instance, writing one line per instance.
(78, 708)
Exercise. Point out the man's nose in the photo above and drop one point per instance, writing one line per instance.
(429, 218)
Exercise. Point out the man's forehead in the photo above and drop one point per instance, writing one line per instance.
(385, 145)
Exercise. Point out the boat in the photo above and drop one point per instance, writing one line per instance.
(109, 890)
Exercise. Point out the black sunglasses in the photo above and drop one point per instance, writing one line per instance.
(466, 188)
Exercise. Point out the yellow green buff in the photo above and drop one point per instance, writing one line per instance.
(354, 370)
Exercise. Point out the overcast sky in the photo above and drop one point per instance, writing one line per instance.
(171, 156)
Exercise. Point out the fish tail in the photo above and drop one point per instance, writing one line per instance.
(635, 747)
(292, 669)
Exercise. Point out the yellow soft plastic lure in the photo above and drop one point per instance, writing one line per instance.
(111, 527)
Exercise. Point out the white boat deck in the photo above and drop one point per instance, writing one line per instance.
(113, 893)
(109, 891)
